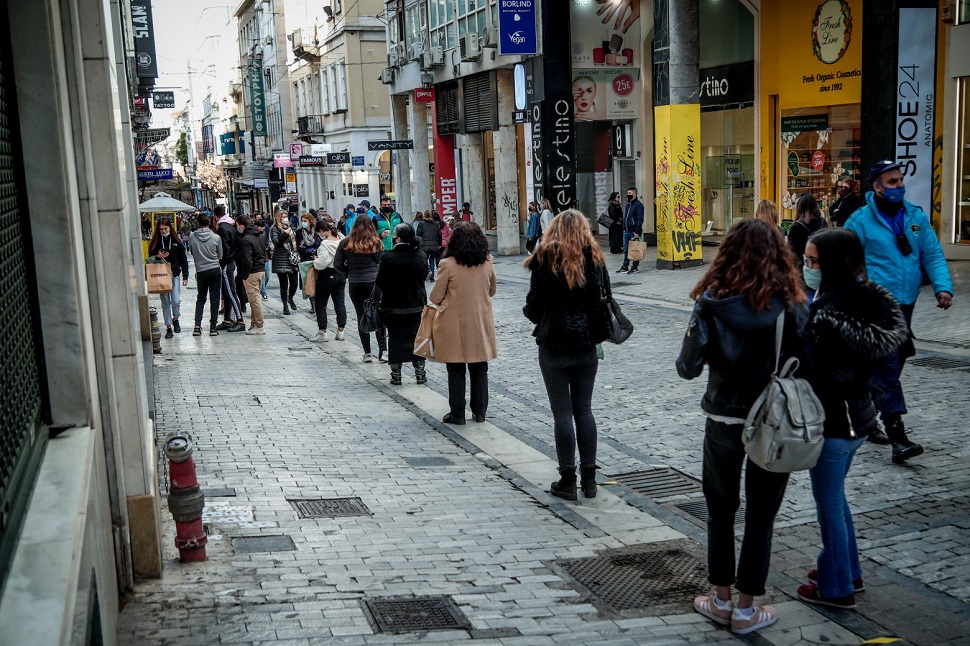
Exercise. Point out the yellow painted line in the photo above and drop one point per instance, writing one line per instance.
(883, 640)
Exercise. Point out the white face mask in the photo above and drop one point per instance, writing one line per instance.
(813, 277)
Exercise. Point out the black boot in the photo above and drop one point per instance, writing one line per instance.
(587, 481)
(313, 306)
(286, 307)
(293, 305)
(903, 449)
(420, 376)
(879, 436)
(395, 374)
(566, 487)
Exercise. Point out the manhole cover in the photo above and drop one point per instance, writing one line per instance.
(641, 577)
(225, 492)
(941, 363)
(698, 509)
(415, 614)
(330, 507)
(659, 483)
(263, 544)
(428, 462)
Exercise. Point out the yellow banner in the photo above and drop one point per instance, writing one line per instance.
(679, 222)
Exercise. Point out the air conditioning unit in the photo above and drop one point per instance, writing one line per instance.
(432, 58)
(415, 51)
(268, 40)
(393, 60)
(387, 75)
(297, 39)
(470, 48)
(491, 36)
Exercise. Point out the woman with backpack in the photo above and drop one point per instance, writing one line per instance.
(752, 281)
(853, 324)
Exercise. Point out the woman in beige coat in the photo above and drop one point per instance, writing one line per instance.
(464, 330)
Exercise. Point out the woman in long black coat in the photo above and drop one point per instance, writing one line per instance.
(400, 279)
(615, 211)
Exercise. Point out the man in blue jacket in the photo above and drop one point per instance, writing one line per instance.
(900, 245)
(632, 228)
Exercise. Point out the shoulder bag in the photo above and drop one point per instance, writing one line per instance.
(371, 319)
(620, 327)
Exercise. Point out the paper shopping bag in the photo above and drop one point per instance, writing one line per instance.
(424, 340)
(158, 275)
(637, 250)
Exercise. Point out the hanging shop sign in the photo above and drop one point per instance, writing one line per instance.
(256, 101)
(357, 160)
(144, 36)
(163, 100)
(338, 158)
(282, 160)
(290, 182)
(424, 95)
(518, 33)
(445, 174)
(391, 144)
(361, 190)
(620, 140)
(152, 136)
(678, 183)
(152, 175)
(296, 151)
(727, 85)
(311, 160)
(915, 81)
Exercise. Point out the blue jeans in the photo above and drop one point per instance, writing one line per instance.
(627, 236)
(838, 562)
(267, 270)
(172, 301)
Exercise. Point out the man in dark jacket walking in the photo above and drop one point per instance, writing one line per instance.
(231, 312)
(249, 264)
(632, 228)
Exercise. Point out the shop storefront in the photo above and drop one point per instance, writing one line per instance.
(955, 185)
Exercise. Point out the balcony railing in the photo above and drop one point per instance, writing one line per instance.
(311, 124)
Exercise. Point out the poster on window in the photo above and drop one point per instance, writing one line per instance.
(601, 95)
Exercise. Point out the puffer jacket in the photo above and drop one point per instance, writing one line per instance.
(359, 267)
(737, 343)
(567, 319)
(430, 235)
(851, 329)
(281, 255)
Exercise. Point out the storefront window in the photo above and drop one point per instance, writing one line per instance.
(727, 137)
(820, 147)
(963, 163)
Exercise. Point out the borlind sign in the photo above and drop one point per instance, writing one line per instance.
(391, 144)
(144, 32)
(163, 100)
(256, 100)
(517, 31)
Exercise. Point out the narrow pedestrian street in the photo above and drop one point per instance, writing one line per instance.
(446, 534)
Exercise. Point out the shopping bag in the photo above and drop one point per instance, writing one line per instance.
(304, 268)
(637, 250)
(310, 282)
(158, 275)
(424, 339)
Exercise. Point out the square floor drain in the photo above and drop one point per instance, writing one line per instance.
(428, 462)
(263, 544)
(330, 507)
(641, 577)
(659, 483)
(698, 509)
(416, 614)
(219, 492)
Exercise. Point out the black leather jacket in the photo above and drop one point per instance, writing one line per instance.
(738, 345)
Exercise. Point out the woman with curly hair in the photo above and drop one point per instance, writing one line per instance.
(752, 281)
(565, 302)
(464, 329)
(358, 257)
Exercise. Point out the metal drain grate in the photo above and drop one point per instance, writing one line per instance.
(698, 509)
(330, 507)
(941, 363)
(416, 614)
(224, 492)
(263, 544)
(428, 462)
(641, 577)
(659, 483)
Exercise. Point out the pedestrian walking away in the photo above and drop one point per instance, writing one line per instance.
(358, 257)
(284, 243)
(231, 310)
(464, 329)
(400, 283)
(263, 229)
(165, 245)
(853, 323)
(615, 212)
(206, 247)
(533, 229)
(900, 246)
(250, 264)
(752, 281)
(429, 236)
(632, 228)
(767, 211)
(565, 301)
(848, 202)
(330, 285)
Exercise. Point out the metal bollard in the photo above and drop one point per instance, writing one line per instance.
(185, 499)
(156, 332)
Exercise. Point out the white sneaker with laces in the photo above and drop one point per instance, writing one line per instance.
(318, 337)
(255, 331)
(368, 357)
(340, 335)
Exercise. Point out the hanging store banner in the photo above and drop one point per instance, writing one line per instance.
(424, 95)
(296, 151)
(518, 31)
(603, 39)
(679, 224)
(163, 100)
(312, 160)
(290, 182)
(915, 80)
(257, 103)
(445, 175)
(144, 36)
(282, 160)
(152, 175)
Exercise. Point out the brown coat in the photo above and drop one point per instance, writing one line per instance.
(464, 330)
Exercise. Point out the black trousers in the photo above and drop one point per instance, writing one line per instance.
(764, 491)
(479, 388)
(288, 285)
(230, 297)
(330, 286)
(569, 379)
(359, 292)
(209, 284)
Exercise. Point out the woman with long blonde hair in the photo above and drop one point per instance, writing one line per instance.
(358, 256)
(565, 301)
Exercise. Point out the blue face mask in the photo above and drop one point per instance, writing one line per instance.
(893, 194)
(813, 277)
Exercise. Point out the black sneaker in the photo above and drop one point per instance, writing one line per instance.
(237, 327)
(905, 450)
(213, 331)
(197, 331)
(225, 325)
(168, 333)
(635, 270)
(175, 326)
(622, 270)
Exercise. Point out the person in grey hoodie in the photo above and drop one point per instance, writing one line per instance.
(206, 247)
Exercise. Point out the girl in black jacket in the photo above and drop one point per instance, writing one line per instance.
(429, 235)
(167, 246)
(282, 237)
(854, 323)
(400, 281)
(565, 301)
(752, 281)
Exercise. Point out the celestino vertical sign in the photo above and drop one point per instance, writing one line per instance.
(678, 173)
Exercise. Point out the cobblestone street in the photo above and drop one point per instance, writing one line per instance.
(462, 512)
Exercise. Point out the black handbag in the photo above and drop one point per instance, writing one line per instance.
(620, 327)
(372, 318)
(605, 220)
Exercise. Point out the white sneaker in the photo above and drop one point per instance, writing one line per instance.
(318, 337)
(340, 335)
(368, 357)
(256, 330)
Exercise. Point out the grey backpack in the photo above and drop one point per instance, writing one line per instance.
(783, 430)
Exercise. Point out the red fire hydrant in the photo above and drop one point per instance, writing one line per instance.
(185, 499)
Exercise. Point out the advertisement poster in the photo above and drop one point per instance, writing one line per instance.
(517, 29)
(605, 94)
(679, 221)
(605, 60)
(915, 79)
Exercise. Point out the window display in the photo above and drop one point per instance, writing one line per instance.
(820, 147)
(963, 165)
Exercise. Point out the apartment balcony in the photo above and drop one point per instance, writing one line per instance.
(312, 124)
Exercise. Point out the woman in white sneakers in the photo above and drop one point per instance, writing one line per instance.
(330, 283)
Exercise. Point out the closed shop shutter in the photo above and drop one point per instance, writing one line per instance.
(480, 102)
(447, 108)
